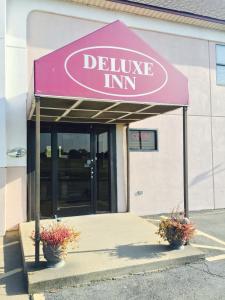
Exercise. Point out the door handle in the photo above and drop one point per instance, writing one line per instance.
(60, 151)
(89, 163)
(92, 172)
(48, 151)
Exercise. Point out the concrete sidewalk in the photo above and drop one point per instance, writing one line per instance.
(12, 280)
(111, 245)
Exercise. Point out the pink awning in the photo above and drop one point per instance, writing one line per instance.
(112, 63)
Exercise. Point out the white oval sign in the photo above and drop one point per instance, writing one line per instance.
(116, 71)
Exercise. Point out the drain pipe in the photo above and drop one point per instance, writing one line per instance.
(128, 169)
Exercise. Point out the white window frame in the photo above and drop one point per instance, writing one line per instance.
(220, 64)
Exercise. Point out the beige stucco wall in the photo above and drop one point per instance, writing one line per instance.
(158, 174)
(163, 187)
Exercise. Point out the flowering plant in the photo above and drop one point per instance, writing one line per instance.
(58, 234)
(176, 228)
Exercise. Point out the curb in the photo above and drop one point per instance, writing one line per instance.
(73, 281)
(37, 297)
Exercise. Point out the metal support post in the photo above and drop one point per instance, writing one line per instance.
(128, 169)
(185, 161)
(37, 183)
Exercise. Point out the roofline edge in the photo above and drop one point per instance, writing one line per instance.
(171, 11)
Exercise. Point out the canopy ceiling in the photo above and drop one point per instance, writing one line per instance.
(86, 111)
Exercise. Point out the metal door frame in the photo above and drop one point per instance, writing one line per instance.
(54, 128)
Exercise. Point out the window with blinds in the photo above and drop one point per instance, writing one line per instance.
(143, 140)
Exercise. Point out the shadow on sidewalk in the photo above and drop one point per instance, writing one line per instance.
(12, 280)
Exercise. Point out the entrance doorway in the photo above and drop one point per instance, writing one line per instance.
(78, 174)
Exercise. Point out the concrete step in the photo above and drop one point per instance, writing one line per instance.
(111, 245)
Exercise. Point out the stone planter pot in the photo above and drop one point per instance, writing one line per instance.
(55, 256)
(177, 244)
(171, 238)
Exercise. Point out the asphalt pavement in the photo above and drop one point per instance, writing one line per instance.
(198, 281)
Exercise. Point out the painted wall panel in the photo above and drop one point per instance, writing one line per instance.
(218, 126)
(2, 200)
(2, 85)
(3, 149)
(16, 95)
(2, 18)
(200, 163)
(15, 197)
(2, 116)
(158, 174)
(2, 68)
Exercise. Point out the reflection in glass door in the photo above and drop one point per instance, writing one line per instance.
(46, 179)
(74, 180)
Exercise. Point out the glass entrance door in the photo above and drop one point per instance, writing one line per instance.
(75, 169)
(74, 173)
